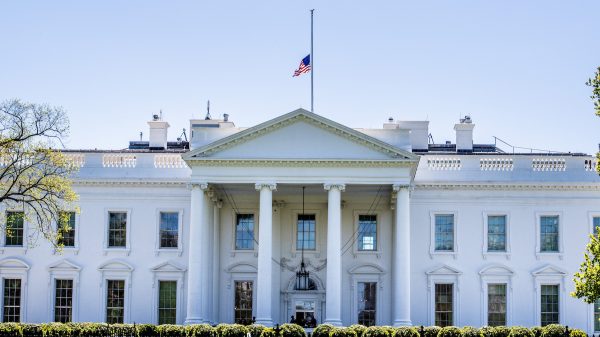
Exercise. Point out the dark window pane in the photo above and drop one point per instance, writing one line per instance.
(243, 302)
(244, 232)
(444, 304)
(14, 229)
(12, 300)
(63, 301)
(306, 232)
(496, 304)
(115, 301)
(549, 304)
(367, 303)
(66, 229)
(169, 229)
(117, 229)
(497, 233)
(549, 233)
(444, 232)
(167, 302)
(367, 232)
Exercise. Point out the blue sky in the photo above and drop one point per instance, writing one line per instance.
(517, 67)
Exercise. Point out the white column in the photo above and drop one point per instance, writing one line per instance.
(333, 294)
(401, 260)
(216, 260)
(195, 269)
(264, 313)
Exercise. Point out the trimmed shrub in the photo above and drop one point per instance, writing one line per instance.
(450, 331)
(469, 331)
(255, 329)
(11, 330)
(537, 331)
(501, 331)
(553, 330)
(56, 330)
(90, 329)
(170, 330)
(322, 330)
(234, 330)
(202, 330)
(406, 331)
(487, 331)
(358, 328)
(146, 330)
(577, 333)
(376, 331)
(31, 330)
(431, 331)
(121, 330)
(342, 332)
(292, 330)
(519, 331)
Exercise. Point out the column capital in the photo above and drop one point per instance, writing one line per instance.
(260, 186)
(198, 185)
(339, 186)
(398, 187)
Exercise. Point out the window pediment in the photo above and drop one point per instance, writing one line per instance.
(549, 270)
(443, 270)
(14, 264)
(242, 267)
(64, 265)
(496, 270)
(168, 266)
(116, 265)
(367, 268)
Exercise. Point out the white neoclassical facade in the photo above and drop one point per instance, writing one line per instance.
(391, 229)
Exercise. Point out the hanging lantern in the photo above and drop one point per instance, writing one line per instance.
(302, 278)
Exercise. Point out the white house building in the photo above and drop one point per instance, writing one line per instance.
(392, 230)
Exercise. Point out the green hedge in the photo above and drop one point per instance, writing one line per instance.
(358, 328)
(406, 331)
(376, 331)
(322, 330)
(342, 332)
(519, 331)
(200, 330)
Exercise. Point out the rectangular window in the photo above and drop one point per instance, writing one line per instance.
(117, 229)
(549, 304)
(243, 302)
(167, 302)
(115, 301)
(63, 301)
(496, 233)
(11, 302)
(444, 232)
(169, 229)
(496, 304)
(306, 233)
(444, 304)
(367, 232)
(549, 233)
(67, 229)
(596, 224)
(14, 229)
(597, 315)
(244, 232)
(367, 303)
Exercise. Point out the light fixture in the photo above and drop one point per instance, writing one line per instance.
(302, 275)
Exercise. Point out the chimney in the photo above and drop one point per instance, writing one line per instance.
(419, 133)
(464, 135)
(158, 132)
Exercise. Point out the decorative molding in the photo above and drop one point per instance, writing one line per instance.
(287, 264)
(520, 187)
(270, 186)
(198, 185)
(140, 182)
(339, 186)
(302, 162)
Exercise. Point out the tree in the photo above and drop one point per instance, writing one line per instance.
(34, 177)
(595, 84)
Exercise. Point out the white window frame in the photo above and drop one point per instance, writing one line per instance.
(318, 235)
(378, 249)
(591, 216)
(15, 268)
(549, 275)
(484, 250)
(14, 249)
(496, 274)
(432, 250)
(115, 270)
(168, 271)
(538, 218)
(591, 320)
(63, 270)
(127, 248)
(367, 272)
(446, 275)
(75, 249)
(157, 248)
(241, 271)
(234, 215)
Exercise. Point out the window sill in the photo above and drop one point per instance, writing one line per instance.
(125, 251)
(443, 253)
(253, 252)
(13, 249)
(540, 255)
(315, 253)
(357, 253)
(488, 254)
(160, 251)
(67, 250)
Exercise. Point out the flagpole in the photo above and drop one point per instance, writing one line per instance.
(312, 65)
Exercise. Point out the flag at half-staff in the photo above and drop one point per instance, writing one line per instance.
(304, 66)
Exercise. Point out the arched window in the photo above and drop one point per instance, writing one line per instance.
(312, 285)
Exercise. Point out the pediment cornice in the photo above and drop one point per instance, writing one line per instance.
(505, 186)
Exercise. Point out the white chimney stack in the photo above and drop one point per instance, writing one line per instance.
(158, 132)
(419, 133)
(464, 135)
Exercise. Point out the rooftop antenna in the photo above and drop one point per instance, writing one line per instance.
(182, 135)
(141, 134)
(160, 114)
(207, 111)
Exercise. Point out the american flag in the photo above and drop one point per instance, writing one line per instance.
(304, 66)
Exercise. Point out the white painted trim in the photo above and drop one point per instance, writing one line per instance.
(549, 275)
(15, 268)
(249, 210)
(127, 248)
(319, 231)
(169, 271)
(378, 249)
(115, 273)
(239, 276)
(357, 276)
(591, 216)
(179, 250)
(432, 251)
(443, 275)
(68, 271)
(496, 274)
(75, 249)
(484, 251)
(561, 225)
(14, 249)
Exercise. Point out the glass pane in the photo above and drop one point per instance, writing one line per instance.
(63, 301)
(169, 229)
(306, 234)
(444, 304)
(243, 302)
(496, 304)
(549, 233)
(497, 233)
(549, 304)
(367, 232)
(117, 229)
(14, 229)
(244, 232)
(597, 315)
(444, 232)
(596, 224)
(67, 229)
(167, 302)
(367, 303)
(12, 300)
(115, 301)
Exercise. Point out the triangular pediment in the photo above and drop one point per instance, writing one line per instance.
(496, 269)
(168, 267)
(549, 270)
(443, 270)
(64, 265)
(300, 135)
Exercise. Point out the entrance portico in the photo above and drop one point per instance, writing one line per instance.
(294, 150)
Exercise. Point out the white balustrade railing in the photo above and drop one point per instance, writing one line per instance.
(548, 164)
(496, 164)
(169, 161)
(119, 160)
(444, 163)
(75, 159)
